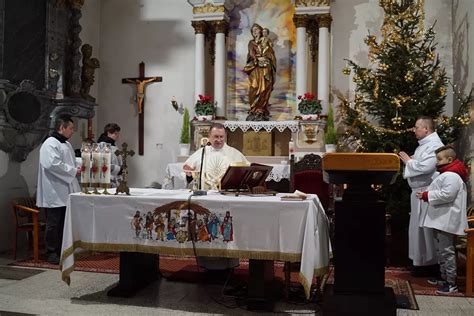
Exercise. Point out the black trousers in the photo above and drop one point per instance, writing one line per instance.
(54, 229)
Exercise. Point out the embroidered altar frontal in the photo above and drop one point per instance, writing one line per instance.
(164, 222)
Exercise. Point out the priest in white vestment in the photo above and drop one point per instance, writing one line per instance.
(56, 180)
(218, 156)
(419, 171)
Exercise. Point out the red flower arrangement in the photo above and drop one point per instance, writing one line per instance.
(309, 104)
(204, 106)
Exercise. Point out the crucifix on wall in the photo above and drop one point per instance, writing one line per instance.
(140, 84)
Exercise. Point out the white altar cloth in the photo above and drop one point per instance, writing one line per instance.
(248, 227)
(175, 178)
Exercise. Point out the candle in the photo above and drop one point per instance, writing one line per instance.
(291, 148)
(96, 164)
(105, 168)
(86, 167)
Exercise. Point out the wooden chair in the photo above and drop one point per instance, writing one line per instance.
(306, 175)
(469, 255)
(26, 218)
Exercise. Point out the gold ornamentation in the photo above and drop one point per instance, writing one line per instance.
(200, 27)
(221, 26)
(324, 20)
(346, 71)
(312, 3)
(300, 20)
(209, 8)
(311, 132)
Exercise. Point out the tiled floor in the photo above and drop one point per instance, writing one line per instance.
(46, 293)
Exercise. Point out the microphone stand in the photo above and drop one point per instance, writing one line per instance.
(200, 191)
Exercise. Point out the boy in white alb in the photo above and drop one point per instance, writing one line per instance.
(447, 198)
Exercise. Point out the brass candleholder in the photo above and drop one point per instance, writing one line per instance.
(85, 187)
(95, 186)
(105, 186)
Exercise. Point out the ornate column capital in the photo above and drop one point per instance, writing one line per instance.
(200, 27)
(209, 8)
(220, 26)
(324, 20)
(300, 20)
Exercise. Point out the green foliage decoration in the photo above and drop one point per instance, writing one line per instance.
(184, 139)
(330, 136)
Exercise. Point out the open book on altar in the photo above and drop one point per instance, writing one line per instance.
(246, 179)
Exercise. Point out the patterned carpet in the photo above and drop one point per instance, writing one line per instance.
(184, 269)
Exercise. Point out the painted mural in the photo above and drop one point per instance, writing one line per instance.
(277, 17)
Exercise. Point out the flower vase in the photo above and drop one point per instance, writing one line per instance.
(204, 117)
(184, 149)
(309, 117)
(330, 148)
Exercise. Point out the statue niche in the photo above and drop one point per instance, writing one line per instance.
(89, 65)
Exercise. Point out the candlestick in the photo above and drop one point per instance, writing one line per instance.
(291, 148)
(95, 168)
(105, 168)
(86, 166)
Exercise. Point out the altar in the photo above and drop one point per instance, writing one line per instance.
(158, 222)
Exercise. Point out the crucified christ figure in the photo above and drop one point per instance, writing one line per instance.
(140, 85)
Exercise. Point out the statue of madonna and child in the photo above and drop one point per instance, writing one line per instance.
(261, 68)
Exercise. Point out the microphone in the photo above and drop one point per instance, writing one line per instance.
(204, 143)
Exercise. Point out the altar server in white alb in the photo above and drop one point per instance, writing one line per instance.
(447, 201)
(110, 136)
(218, 157)
(419, 171)
(56, 180)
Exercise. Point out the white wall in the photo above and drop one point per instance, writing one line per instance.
(352, 19)
(158, 33)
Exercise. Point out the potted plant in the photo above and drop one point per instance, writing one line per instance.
(184, 138)
(309, 106)
(204, 108)
(330, 137)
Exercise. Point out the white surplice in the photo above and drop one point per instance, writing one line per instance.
(216, 162)
(419, 171)
(447, 199)
(56, 174)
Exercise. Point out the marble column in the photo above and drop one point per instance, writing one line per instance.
(324, 22)
(301, 63)
(220, 29)
(199, 57)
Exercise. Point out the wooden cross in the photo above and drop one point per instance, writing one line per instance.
(140, 83)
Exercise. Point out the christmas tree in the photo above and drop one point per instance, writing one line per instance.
(403, 81)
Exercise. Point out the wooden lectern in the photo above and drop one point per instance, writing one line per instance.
(359, 257)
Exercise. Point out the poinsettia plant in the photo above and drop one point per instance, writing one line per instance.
(204, 106)
(309, 104)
